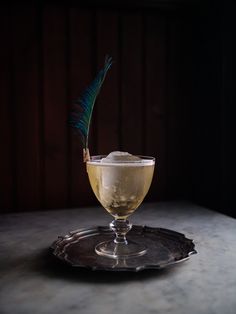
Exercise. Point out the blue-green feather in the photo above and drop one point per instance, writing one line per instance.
(80, 117)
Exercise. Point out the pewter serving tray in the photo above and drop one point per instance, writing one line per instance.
(165, 247)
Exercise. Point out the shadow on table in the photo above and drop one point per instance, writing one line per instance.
(50, 266)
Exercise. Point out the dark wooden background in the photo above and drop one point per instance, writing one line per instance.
(164, 96)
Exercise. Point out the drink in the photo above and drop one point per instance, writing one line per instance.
(120, 182)
(120, 186)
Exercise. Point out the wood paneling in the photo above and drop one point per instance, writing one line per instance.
(6, 118)
(26, 90)
(131, 51)
(108, 103)
(208, 107)
(55, 106)
(178, 111)
(81, 72)
(156, 99)
(53, 51)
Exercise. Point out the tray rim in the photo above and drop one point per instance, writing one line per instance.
(93, 230)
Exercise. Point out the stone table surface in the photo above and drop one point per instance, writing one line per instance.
(33, 282)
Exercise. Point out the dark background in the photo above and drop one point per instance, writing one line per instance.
(169, 94)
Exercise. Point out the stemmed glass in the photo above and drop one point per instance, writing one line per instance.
(120, 187)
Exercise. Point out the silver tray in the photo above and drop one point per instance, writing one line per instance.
(165, 247)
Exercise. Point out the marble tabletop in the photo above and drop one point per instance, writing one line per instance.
(33, 282)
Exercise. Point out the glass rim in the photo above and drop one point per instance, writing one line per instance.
(144, 160)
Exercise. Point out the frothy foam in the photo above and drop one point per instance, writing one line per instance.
(118, 156)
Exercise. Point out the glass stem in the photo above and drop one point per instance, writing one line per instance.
(120, 227)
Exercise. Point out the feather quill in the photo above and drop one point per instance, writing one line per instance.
(80, 117)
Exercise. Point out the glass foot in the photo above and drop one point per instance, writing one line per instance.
(120, 250)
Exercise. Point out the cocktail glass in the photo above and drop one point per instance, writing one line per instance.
(120, 187)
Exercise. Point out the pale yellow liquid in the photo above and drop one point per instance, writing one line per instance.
(120, 188)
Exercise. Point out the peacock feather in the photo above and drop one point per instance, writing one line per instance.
(80, 117)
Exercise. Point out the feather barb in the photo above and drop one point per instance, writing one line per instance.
(80, 117)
